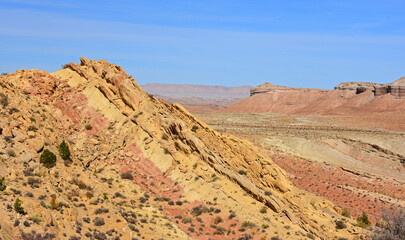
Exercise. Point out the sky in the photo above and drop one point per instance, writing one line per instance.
(295, 43)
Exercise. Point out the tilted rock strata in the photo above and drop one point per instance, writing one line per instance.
(181, 179)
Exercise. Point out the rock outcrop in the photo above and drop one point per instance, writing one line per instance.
(139, 167)
(396, 89)
(346, 98)
(359, 87)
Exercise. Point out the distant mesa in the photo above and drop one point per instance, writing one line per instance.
(346, 98)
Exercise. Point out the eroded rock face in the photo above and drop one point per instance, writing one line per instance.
(359, 87)
(396, 89)
(134, 156)
(263, 88)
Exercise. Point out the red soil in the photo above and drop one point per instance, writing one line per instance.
(153, 181)
(337, 185)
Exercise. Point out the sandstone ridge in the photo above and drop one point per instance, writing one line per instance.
(139, 167)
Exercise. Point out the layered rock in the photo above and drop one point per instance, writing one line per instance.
(359, 87)
(396, 89)
(263, 88)
(165, 166)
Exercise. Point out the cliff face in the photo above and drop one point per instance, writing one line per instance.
(396, 89)
(139, 167)
(359, 87)
(346, 98)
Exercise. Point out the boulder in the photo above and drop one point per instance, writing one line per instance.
(36, 144)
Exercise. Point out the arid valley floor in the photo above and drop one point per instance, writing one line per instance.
(346, 159)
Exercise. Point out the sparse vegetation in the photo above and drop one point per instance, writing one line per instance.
(217, 220)
(363, 221)
(98, 221)
(54, 205)
(88, 127)
(340, 224)
(127, 175)
(36, 218)
(263, 210)
(242, 172)
(48, 158)
(346, 212)
(17, 206)
(64, 151)
(194, 128)
(248, 224)
(11, 153)
(391, 226)
(3, 100)
(2, 184)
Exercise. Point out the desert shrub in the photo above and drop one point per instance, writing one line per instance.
(37, 236)
(391, 226)
(363, 221)
(263, 210)
(232, 215)
(2, 184)
(127, 175)
(13, 110)
(29, 194)
(88, 127)
(48, 158)
(101, 210)
(36, 218)
(248, 224)
(3, 100)
(187, 220)
(310, 235)
(166, 151)
(33, 182)
(17, 206)
(32, 128)
(11, 153)
(105, 197)
(119, 195)
(98, 221)
(133, 228)
(217, 220)
(64, 151)
(80, 184)
(346, 212)
(26, 223)
(267, 193)
(340, 224)
(242, 172)
(54, 204)
(194, 129)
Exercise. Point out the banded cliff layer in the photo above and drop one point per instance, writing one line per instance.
(347, 98)
(140, 168)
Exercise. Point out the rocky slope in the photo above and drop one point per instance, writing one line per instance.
(140, 168)
(347, 98)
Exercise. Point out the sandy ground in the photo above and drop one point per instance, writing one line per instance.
(358, 162)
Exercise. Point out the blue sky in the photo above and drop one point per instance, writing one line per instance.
(294, 43)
